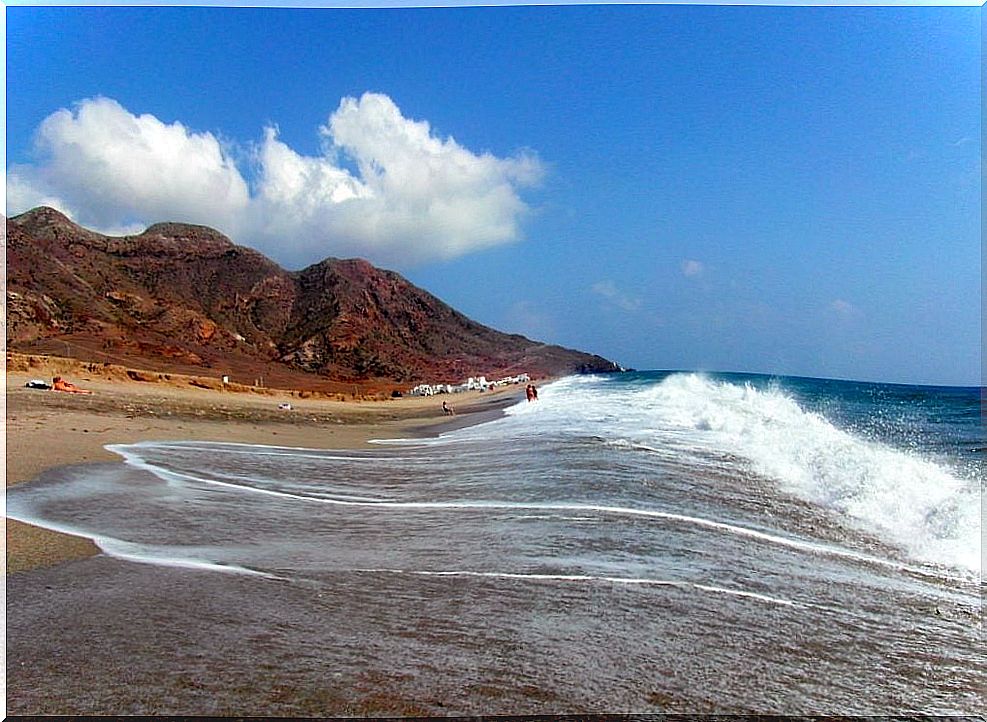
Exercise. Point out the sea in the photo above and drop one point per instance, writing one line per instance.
(643, 542)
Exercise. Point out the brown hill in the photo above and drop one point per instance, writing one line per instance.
(185, 298)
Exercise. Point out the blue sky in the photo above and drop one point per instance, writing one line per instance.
(790, 190)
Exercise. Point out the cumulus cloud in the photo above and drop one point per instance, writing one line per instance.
(108, 167)
(691, 268)
(411, 196)
(609, 291)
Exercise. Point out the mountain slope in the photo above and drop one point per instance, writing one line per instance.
(185, 297)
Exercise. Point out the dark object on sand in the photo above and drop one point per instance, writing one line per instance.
(37, 384)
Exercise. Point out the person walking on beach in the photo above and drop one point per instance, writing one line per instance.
(447, 409)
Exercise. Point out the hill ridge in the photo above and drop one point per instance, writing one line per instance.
(186, 297)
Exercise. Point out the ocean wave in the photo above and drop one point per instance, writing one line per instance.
(916, 502)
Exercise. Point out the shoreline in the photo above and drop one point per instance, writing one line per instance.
(47, 430)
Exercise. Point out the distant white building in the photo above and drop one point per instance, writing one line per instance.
(473, 383)
(508, 380)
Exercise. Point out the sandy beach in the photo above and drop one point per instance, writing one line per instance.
(47, 429)
(543, 564)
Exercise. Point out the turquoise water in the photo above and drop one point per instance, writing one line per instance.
(645, 542)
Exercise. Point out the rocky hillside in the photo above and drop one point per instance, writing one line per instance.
(185, 298)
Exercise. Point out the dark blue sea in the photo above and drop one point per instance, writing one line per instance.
(631, 543)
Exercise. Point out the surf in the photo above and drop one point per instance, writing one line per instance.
(924, 505)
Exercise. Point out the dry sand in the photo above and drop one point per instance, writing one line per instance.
(46, 429)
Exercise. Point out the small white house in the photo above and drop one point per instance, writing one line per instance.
(473, 383)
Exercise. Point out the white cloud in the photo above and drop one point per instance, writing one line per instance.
(609, 291)
(109, 168)
(413, 196)
(843, 308)
(24, 194)
(691, 268)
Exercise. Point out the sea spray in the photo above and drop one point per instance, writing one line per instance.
(920, 504)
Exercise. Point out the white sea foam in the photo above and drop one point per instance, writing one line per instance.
(588, 578)
(913, 502)
(228, 448)
(171, 557)
(919, 505)
(560, 509)
(167, 556)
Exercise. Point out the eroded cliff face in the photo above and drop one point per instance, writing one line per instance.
(189, 295)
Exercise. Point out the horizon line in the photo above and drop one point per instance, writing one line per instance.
(439, 4)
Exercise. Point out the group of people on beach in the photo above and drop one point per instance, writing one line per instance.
(530, 392)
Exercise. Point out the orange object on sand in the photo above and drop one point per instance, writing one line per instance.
(60, 384)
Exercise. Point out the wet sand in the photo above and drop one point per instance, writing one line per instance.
(47, 429)
(418, 608)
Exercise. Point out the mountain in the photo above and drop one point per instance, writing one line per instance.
(184, 298)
